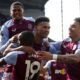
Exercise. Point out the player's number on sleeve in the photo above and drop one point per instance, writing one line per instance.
(30, 69)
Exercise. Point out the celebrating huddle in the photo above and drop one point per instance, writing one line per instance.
(28, 53)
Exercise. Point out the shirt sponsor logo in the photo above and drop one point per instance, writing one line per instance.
(62, 71)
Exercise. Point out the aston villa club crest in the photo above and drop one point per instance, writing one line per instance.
(13, 29)
(29, 26)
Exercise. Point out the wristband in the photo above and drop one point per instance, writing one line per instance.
(55, 56)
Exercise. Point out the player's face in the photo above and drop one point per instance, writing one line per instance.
(74, 30)
(16, 12)
(43, 29)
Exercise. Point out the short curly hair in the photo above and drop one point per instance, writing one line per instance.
(26, 38)
(16, 3)
(41, 19)
(77, 19)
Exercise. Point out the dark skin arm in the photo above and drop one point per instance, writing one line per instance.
(8, 49)
(28, 49)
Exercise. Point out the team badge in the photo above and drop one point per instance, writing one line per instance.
(13, 29)
(29, 26)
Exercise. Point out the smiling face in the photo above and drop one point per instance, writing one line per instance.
(74, 30)
(43, 29)
(16, 12)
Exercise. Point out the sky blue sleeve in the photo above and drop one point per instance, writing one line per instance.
(2, 48)
(55, 47)
(11, 58)
(4, 34)
(48, 65)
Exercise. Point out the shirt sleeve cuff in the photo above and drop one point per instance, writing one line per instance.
(55, 56)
